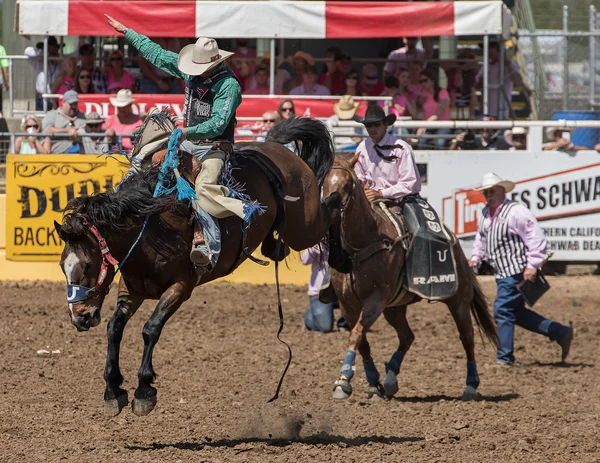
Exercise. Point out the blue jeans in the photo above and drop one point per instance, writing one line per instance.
(509, 309)
(319, 316)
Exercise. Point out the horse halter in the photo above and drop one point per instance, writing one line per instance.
(78, 293)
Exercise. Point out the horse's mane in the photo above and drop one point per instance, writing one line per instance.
(122, 209)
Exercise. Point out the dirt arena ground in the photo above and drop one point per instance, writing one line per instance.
(218, 363)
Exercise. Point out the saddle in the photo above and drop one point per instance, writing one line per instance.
(430, 266)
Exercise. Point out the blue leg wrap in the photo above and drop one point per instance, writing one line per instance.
(472, 375)
(371, 371)
(395, 362)
(348, 364)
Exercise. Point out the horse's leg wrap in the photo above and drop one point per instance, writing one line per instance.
(395, 362)
(371, 371)
(347, 367)
(472, 375)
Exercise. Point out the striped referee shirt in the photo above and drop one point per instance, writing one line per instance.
(510, 240)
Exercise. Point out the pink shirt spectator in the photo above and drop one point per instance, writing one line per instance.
(68, 83)
(318, 89)
(400, 100)
(113, 121)
(318, 262)
(395, 179)
(400, 60)
(521, 222)
(416, 89)
(431, 106)
(127, 81)
(258, 90)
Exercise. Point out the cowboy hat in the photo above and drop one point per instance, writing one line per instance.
(123, 98)
(375, 113)
(508, 134)
(551, 130)
(200, 57)
(491, 180)
(94, 118)
(345, 108)
(305, 56)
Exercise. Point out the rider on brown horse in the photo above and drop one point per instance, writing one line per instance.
(212, 96)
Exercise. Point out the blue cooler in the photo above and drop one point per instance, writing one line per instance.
(581, 137)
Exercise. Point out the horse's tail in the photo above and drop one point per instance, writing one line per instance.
(316, 147)
(479, 309)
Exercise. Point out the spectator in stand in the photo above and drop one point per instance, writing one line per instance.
(415, 86)
(516, 138)
(87, 55)
(370, 84)
(351, 84)
(490, 139)
(401, 104)
(83, 82)
(435, 103)
(93, 125)
(124, 121)
(512, 77)
(36, 59)
(597, 147)
(286, 110)
(155, 80)
(261, 77)
(244, 59)
(33, 144)
(462, 94)
(269, 120)
(66, 79)
(118, 77)
(65, 120)
(300, 62)
(337, 69)
(309, 84)
(560, 140)
(3, 75)
(402, 57)
(330, 54)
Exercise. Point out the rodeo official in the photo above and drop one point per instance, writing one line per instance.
(511, 240)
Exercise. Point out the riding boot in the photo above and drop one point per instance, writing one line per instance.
(200, 251)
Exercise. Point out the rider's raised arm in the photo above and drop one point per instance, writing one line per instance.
(227, 98)
(155, 54)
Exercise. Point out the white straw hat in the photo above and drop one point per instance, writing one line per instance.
(491, 180)
(124, 98)
(199, 57)
(345, 108)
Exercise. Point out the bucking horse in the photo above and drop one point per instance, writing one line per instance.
(151, 236)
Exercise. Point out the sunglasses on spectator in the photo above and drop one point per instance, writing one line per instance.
(34, 126)
(268, 120)
(287, 109)
(116, 58)
(352, 77)
(371, 77)
(85, 76)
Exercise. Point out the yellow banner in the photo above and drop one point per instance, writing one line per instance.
(38, 187)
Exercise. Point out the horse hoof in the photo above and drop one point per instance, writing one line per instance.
(113, 407)
(141, 407)
(342, 389)
(390, 384)
(375, 392)
(471, 394)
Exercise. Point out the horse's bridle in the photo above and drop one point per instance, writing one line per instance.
(78, 293)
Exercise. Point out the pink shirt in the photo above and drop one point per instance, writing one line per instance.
(127, 80)
(67, 83)
(258, 90)
(318, 262)
(401, 100)
(521, 222)
(395, 179)
(113, 121)
(431, 106)
(318, 89)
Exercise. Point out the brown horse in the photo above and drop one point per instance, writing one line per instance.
(101, 230)
(365, 246)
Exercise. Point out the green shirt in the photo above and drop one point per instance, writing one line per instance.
(225, 90)
(3, 62)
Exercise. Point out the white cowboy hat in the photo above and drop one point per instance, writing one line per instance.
(550, 131)
(508, 134)
(123, 98)
(345, 108)
(491, 180)
(199, 57)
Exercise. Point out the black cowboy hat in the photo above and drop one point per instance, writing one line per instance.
(375, 113)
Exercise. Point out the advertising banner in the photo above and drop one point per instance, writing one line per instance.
(562, 191)
(38, 188)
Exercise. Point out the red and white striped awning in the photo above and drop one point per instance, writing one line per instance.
(264, 19)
